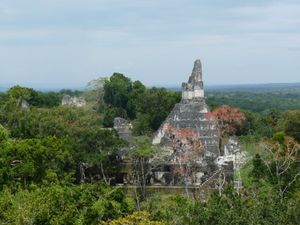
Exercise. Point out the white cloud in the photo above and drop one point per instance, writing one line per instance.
(270, 17)
(151, 40)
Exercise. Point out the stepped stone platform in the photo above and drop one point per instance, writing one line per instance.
(188, 137)
(189, 159)
(189, 118)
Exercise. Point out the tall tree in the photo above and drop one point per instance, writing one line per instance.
(140, 155)
(99, 147)
(290, 123)
(117, 90)
(281, 164)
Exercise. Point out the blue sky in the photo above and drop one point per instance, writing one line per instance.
(70, 42)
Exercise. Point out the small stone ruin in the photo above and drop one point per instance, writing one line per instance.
(123, 128)
(74, 101)
(24, 104)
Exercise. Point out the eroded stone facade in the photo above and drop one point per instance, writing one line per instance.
(188, 137)
(190, 117)
(74, 101)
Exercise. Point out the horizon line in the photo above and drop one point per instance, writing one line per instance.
(57, 87)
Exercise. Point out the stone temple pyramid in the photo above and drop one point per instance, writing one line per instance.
(188, 121)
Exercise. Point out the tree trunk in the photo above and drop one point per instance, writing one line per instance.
(103, 174)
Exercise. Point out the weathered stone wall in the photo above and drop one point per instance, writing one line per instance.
(123, 128)
(194, 88)
(75, 101)
(191, 115)
(188, 138)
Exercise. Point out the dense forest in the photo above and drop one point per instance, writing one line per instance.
(43, 144)
(262, 103)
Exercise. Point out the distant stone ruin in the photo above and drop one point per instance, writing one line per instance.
(75, 101)
(24, 104)
(123, 128)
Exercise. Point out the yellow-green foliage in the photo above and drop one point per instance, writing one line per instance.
(137, 218)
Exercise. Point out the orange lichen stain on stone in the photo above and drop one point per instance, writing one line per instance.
(186, 132)
(167, 126)
(180, 133)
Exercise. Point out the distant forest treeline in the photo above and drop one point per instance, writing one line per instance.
(267, 97)
(261, 102)
(259, 98)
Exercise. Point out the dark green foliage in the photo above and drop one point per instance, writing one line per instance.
(279, 137)
(137, 95)
(70, 92)
(46, 99)
(2, 97)
(277, 166)
(117, 90)
(98, 147)
(3, 134)
(22, 93)
(35, 161)
(33, 97)
(152, 109)
(142, 125)
(258, 125)
(259, 170)
(249, 125)
(87, 141)
(156, 105)
(290, 123)
(111, 113)
(98, 143)
(263, 103)
(146, 107)
(229, 208)
(40, 122)
(42, 148)
(60, 204)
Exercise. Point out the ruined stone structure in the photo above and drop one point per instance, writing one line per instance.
(188, 155)
(75, 101)
(123, 128)
(188, 138)
(24, 104)
(189, 116)
(194, 88)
